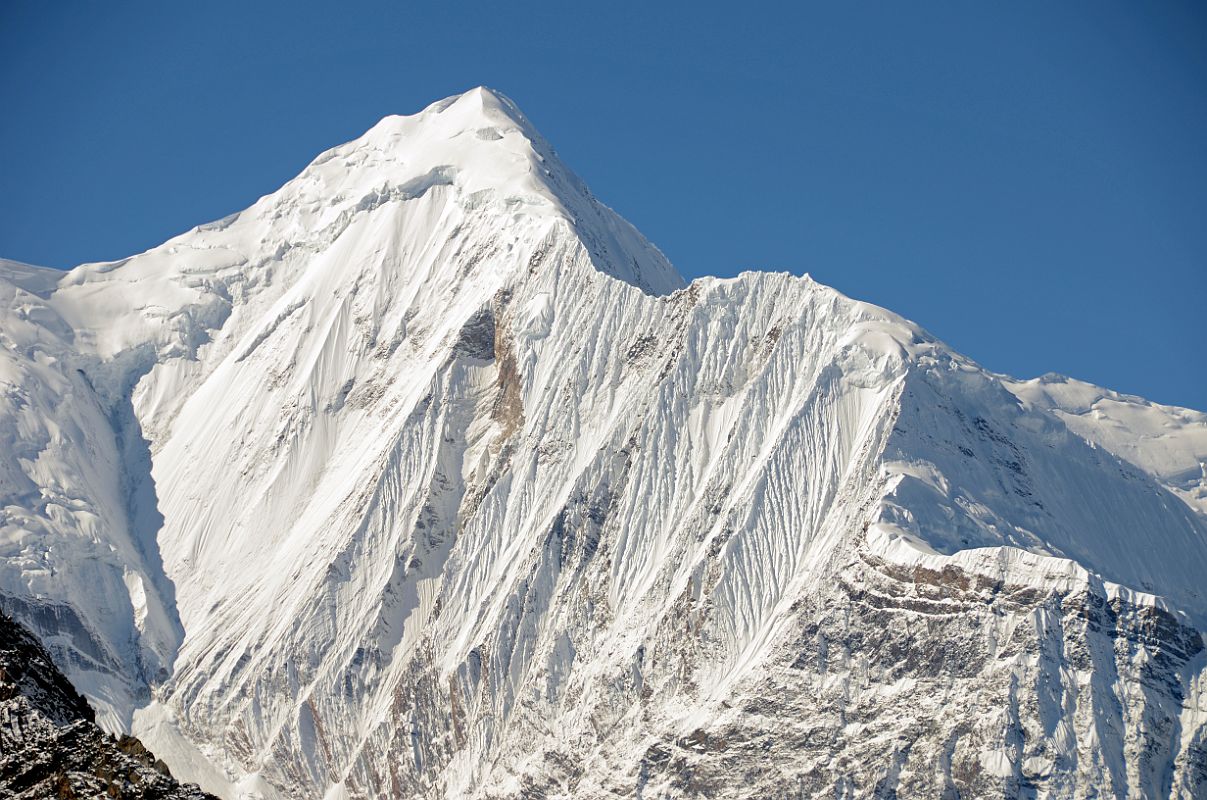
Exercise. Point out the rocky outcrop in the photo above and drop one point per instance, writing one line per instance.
(50, 745)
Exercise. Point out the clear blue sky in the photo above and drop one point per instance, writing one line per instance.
(1028, 180)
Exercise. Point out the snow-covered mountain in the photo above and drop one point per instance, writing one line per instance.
(428, 476)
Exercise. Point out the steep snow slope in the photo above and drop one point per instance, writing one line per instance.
(81, 506)
(78, 556)
(459, 491)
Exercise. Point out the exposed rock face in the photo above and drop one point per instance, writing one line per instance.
(427, 476)
(50, 746)
(919, 683)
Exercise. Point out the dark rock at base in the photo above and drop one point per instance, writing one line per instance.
(50, 745)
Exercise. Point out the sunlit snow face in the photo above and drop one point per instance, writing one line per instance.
(427, 466)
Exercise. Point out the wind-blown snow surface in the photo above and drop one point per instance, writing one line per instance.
(427, 476)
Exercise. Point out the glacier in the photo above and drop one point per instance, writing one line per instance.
(428, 476)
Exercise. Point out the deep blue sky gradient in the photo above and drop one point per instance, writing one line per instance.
(1027, 180)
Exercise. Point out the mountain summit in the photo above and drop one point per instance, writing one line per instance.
(428, 476)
